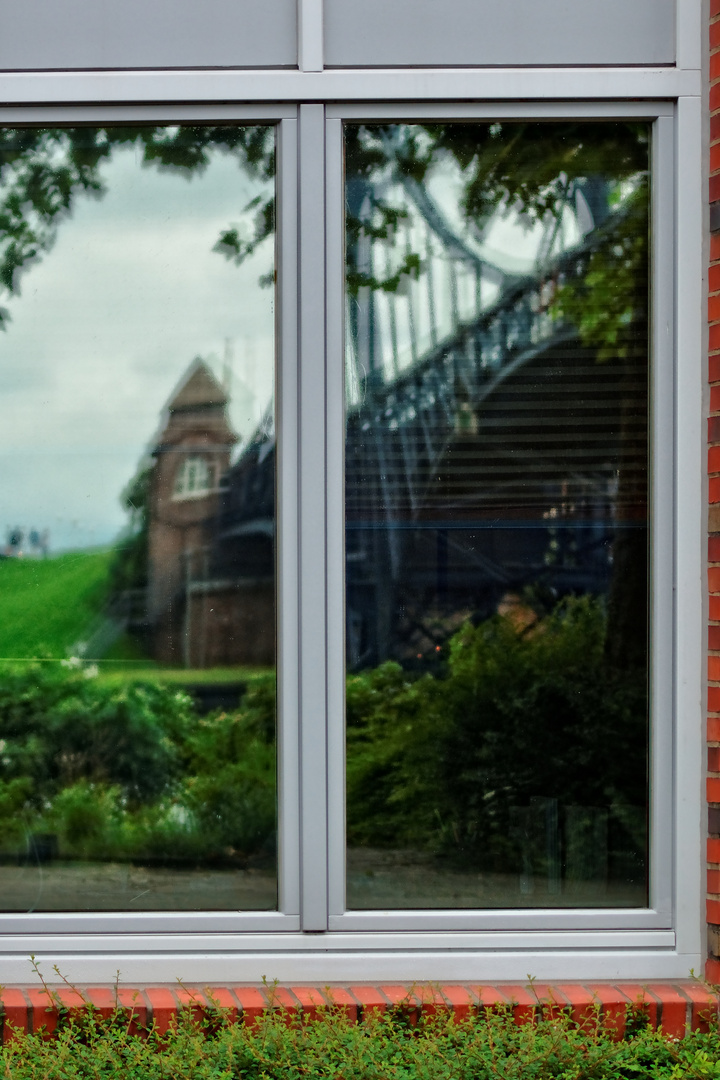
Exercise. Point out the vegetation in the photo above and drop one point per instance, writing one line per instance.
(130, 771)
(119, 767)
(46, 605)
(485, 1046)
(137, 670)
(129, 566)
(438, 762)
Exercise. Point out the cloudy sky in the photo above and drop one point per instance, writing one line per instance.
(104, 328)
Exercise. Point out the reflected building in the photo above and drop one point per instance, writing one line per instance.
(210, 598)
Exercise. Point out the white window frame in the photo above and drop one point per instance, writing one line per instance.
(187, 472)
(659, 914)
(311, 937)
(98, 927)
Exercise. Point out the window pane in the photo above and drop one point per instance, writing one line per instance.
(497, 515)
(137, 596)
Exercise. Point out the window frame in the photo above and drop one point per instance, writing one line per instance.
(286, 917)
(311, 937)
(659, 914)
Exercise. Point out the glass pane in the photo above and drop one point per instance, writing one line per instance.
(137, 596)
(497, 515)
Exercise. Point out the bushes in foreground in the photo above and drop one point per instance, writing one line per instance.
(484, 1047)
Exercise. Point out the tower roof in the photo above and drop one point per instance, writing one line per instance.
(198, 387)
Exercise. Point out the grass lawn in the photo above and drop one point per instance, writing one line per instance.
(47, 605)
(114, 671)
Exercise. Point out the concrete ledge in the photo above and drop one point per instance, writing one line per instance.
(676, 1008)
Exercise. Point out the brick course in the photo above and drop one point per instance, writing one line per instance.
(676, 1008)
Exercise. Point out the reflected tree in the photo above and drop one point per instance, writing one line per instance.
(44, 171)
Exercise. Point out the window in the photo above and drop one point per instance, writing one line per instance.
(496, 514)
(413, 434)
(194, 478)
(128, 792)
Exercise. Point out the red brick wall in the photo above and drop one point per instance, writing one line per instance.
(231, 624)
(713, 730)
(678, 1008)
(178, 529)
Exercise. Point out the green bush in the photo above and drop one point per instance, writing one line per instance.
(438, 762)
(58, 726)
(131, 770)
(482, 1047)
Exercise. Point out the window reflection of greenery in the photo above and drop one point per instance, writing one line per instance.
(130, 771)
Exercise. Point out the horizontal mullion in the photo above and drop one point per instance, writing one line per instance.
(604, 90)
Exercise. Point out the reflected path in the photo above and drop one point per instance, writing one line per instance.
(84, 886)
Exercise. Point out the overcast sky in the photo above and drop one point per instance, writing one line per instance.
(104, 328)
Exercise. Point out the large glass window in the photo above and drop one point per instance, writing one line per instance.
(137, 503)
(475, 719)
(496, 498)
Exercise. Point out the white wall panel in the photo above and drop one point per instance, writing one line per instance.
(394, 33)
(47, 34)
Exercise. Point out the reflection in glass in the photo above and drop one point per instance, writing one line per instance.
(137, 596)
(497, 515)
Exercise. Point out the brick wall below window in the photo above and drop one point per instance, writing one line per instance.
(677, 1008)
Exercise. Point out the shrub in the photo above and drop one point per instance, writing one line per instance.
(440, 761)
(482, 1047)
(132, 771)
(59, 727)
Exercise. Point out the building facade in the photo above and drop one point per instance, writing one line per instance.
(228, 538)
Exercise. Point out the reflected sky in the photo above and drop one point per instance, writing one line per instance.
(104, 328)
(509, 246)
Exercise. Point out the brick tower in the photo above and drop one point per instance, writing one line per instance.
(191, 457)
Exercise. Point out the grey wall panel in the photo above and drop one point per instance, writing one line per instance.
(43, 34)
(392, 33)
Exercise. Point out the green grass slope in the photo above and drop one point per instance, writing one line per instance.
(47, 605)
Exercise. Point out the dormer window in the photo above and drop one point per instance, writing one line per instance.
(194, 479)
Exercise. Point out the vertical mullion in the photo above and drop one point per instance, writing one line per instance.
(690, 550)
(287, 520)
(335, 293)
(689, 29)
(311, 534)
(662, 456)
